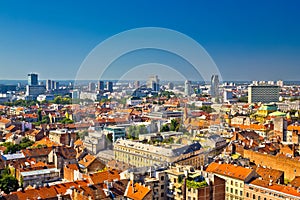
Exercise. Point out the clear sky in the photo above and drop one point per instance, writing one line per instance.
(248, 40)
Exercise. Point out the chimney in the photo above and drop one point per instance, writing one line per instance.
(271, 182)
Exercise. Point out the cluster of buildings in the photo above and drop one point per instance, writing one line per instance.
(165, 141)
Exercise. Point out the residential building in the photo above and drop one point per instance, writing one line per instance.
(39, 177)
(236, 177)
(63, 136)
(90, 164)
(184, 182)
(264, 190)
(263, 93)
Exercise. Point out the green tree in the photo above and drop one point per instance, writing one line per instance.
(174, 126)
(8, 183)
(165, 128)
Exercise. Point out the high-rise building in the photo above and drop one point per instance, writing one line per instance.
(214, 90)
(109, 86)
(56, 85)
(32, 79)
(101, 85)
(48, 85)
(263, 93)
(187, 88)
(153, 83)
(92, 87)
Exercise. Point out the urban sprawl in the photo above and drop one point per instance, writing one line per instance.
(151, 139)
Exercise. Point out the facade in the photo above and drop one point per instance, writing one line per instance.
(236, 177)
(92, 87)
(62, 136)
(32, 79)
(95, 142)
(39, 177)
(187, 88)
(214, 90)
(35, 90)
(184, 182)
(263, 93)
(101, 85)
(267, 190)
(109, 86)
(115, 132)
(49, 85)
(140, 155)
(153, 83)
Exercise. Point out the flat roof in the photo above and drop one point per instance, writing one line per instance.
(40, 172)
(13, 156)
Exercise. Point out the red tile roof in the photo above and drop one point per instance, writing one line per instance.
(276, 187)
(137, 192)
(100, 177)
(229, 170)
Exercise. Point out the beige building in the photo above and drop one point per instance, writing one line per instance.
(260, 189)
(140, 155)
(235, 176)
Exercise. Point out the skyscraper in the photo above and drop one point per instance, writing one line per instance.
(153, 82)
(109, 86)
(92, 87)
(32, 79)
(100, 85)
(187, 88)
(48, 85)
(214, 90)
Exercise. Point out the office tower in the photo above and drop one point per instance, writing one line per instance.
(187, 88)
(109, 86)
(214, 86)
(92, 87)
(56, 85)
(32, 79)
(263, 93)
(48, 85)
(153, 83)
(100, 85)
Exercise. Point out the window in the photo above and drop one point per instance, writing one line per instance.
(162, 178)
(226, 189)
(231, 190)
(162, 187)
(241, 193)
(254, 196)
(236, 191)
(231, 182)
(247, 194)
(258, 197)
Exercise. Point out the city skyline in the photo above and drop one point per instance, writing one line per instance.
(255, 41)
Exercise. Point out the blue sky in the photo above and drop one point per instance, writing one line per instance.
(248, 40)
